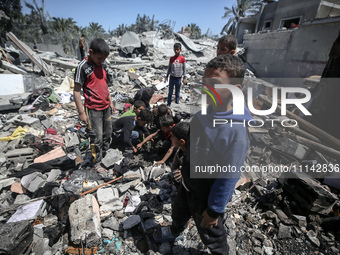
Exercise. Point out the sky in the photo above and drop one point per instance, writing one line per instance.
(111, 13)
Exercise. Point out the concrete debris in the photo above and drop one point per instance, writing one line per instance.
(112, 156)
(11, 84)
(71, 139)
(29, 211)
(16, 237)
(85, 223)
(107, 195)
(33, 182)
(52, 201)
(30, 53)
(309, 193)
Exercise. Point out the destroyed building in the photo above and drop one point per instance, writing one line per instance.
(51, 202)
(289, 39)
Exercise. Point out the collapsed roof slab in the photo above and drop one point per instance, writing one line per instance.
(12, 68)
(188, 42)
(60, 63)
(30, 53)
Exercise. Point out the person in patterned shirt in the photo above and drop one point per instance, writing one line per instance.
(91, 77)
(176, 70)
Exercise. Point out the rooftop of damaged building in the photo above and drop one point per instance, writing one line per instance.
(51, 201)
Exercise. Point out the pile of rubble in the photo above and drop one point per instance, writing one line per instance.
(51, 202)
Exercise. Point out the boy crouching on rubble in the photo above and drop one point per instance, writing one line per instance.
(128, 130)
(138, 105)
(204, 195)
(163, 137)
(91, 76)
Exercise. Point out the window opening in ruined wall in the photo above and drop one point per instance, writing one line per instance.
(290, 22)
(267, 25)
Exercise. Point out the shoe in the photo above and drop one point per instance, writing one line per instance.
(164, 234)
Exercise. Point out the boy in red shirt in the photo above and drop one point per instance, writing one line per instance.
(176, 70)
(91, 76)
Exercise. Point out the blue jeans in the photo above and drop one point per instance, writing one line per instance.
(133, 137)
(174, 81)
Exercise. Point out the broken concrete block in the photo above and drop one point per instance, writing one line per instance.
(33, 181)
(284, 232)
(53, 175)
(16, 237)
(38, 232)
(71, 139)
(112, 156)
(107, 233)
(13, 68)
(133, 75)
(7, 182)
(111, 223)
(141, 81)
(132, 175)
(107, 195)
(308, 192)
(41, 247)
(312, 236)
(24, 119)
(17, 188)
(11, 84)
(124, 79)
(132, 221)
(53, 154)
(50, 219)
(26, 109)
(107, 209)
(2, 147)
(85, 221)
(27, 153)
(28, 211)
(301, 220)
(124, 187)
(2, 158)
(21, 198)
(48, 123)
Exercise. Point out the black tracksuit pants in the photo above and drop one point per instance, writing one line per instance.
(186, 205)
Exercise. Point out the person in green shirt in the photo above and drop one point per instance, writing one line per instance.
(138, 105)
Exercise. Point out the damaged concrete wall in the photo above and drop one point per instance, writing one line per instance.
(293, 53)
(286, 9)
(267, 15)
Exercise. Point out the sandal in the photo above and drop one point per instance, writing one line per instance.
(164, 234)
